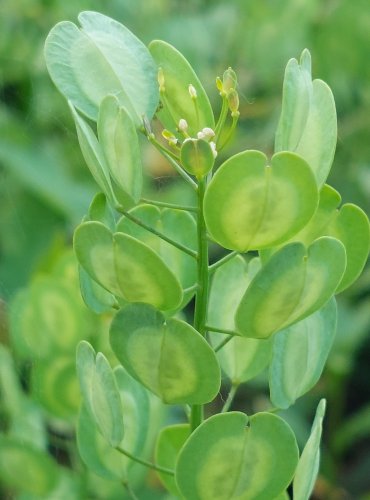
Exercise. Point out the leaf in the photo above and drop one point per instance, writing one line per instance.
(126, 267)
(241, 358)
(101, 211)
(178, 75)
(299, 355)
(100, 393)
(308, 465)
(96, 453)
(97, 298)
(143, 276)
(349, 224)
(170, 441)
(250, 205)
(25, 468)
(93, 244)
(168, 357)
(93, 155)
(293, 284)
(119, 141)
(177, 225)
(231, 456)
(308, 121)
(101, 58)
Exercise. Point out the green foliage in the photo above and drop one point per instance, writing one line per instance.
(260, 319)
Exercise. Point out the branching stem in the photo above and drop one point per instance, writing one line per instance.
(150, 465)
(169, 205)
(212, 268)
(230, 398)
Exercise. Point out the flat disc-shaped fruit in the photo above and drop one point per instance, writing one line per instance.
(299, 355)
(231, 457)
(250, 205)
(168, 357)
(293, 284)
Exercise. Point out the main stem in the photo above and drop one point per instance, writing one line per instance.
(201, 298)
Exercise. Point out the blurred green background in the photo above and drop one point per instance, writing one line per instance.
(45, 190)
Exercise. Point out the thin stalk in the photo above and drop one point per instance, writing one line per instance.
(222, 261)
(230, 398)
(223, 343)
(169, 205)
(137, 221)
(129, 490)
(201, 298)
(222, 118)
(150, 465)
(220, 330)
(230, 133)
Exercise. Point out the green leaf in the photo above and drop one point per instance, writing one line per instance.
(119, 141)
(101, 58)
(54, 384)
(168, 357)
(197, 157)
(97, 298)
(232, 457)
(251, 205)
(170, 441)
(100, 393)
(93, 155)
(178, 75)
(143, 276)
(349, 224)
(293, 284)
(25, 468)
(299, 355)
(308, 121)
(93, 244)
(176, 224)
(101, 211)
(95, 451)
(308, 465)
(241, 358)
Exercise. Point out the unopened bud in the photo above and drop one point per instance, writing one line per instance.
(197, 157)
(170, 137)
(206, 133)
(229, 80)
(213, 147)
(183, 126)
(219, 85)
(160, 77)
(192, 92)
(233, 101)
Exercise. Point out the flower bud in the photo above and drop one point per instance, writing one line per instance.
(197, 157)
(170, 137)
(229, 80)
(192, 91)
(183, 126)
(233, 101)
(207, 134)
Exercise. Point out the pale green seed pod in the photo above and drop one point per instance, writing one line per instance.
(197, 157)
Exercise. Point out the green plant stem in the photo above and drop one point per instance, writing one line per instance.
(222, 118)
(201, 298)
(220, 330)
(150, 465)
(137, 221)
(129, 490)
(230, 398)
(168, 205)
(223, 343)
(230, 133)
(212, 268)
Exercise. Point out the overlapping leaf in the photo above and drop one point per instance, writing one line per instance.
(250, 204)
(241, 358)
(168, 357)
(293, 284)
(100, 58)
(308, 121)
(177, 76)
(232, 457)
(126, 267)
(299, 354)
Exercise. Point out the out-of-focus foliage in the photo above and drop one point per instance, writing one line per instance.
(45, 190)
